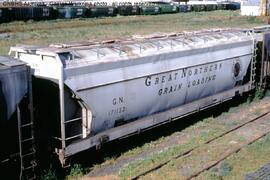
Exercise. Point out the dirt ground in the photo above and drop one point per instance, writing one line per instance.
(148, 156)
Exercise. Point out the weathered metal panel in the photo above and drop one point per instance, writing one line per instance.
(149, 94)
(152, 121)
(90, 76)
(45, 67)
(13, 85)
(121, 82)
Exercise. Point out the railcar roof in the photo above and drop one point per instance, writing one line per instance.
(78, 53)
(7, 62)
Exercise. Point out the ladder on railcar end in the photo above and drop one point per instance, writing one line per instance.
(65, 139)
(27, 148)
(253, 64)
(26, 139)
(82, 119)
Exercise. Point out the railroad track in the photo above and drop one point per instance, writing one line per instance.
(205, 143)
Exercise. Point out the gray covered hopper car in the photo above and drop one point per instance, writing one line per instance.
(13, 85)
(16, 117)
(107, 90)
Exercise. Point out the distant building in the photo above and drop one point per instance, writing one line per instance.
(254, 8)
(250, 8)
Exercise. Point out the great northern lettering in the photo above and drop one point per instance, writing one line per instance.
(174, 81)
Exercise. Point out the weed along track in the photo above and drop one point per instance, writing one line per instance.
(213, 151)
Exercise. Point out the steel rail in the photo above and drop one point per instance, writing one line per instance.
(207, 142)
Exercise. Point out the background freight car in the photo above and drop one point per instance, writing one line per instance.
(45, 13)
(221, 6)
(198, 7)
(168, 8)
(128, 10)
(70, 12)
(150, 10)
(189, 8)
(210, 7)
(20, 13)
(101, 11)
(183, 8)
(232, 6)
(4, 14)
(28, 13)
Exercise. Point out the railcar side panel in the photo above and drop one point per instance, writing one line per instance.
(135, 98)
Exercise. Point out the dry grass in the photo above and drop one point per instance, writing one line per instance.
(46, 32)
